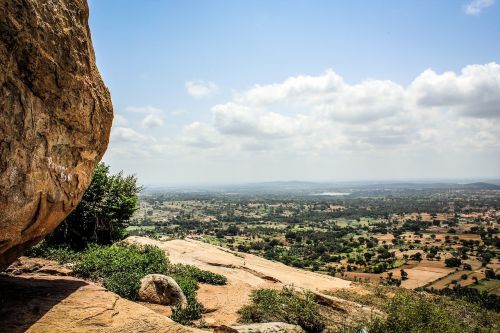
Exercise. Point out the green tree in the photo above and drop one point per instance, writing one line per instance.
(102, 215)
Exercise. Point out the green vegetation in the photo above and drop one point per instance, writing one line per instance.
(408, 312)
(121, 267)
(102, 215)
(286, 305)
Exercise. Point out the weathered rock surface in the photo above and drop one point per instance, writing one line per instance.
(260, 328)
(161, 289)
(55, 117)
(43, 304)
(25, 265)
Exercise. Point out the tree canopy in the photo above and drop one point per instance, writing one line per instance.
(102, 215)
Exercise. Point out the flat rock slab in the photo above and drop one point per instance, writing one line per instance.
(275, 327)
(40, 304)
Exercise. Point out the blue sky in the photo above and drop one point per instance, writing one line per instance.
(183, 75)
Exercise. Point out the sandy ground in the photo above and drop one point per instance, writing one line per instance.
(245, 272)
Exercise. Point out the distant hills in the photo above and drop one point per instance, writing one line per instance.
(308, 188)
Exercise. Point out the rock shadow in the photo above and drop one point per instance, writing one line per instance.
(24, 300)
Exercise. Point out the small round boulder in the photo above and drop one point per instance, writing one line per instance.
(161, 289)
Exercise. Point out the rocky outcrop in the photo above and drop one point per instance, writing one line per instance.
(55, 117)
(42, 304)
(276, 327)
(25, 265)
(161, 289)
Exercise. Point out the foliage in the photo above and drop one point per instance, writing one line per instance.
(121, 267)
(482, 298)
(198, 274)
(192, 311)
(408, 312)
(62, 254)
(286, 305)
(452, 262)
(103, 212)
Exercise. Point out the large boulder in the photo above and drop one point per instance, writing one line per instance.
(55, 117)
(161, 289)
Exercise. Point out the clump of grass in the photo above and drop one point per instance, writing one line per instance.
(286, 305)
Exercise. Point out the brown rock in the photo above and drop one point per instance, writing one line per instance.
(48, 304)
(161, 289)
(276, 327)
(26, 265)
(55, 117)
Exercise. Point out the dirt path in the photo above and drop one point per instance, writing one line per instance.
(245, 272)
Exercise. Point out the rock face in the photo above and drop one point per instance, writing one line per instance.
(275, 327)
(161, 289)
(55, 117)
(62, 304)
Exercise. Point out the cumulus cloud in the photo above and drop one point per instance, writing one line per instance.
(152, 121)
(475, 92)
(324, 113)
(200, 135)
(240, 120)
(324, 116)
(127, 134)
(475, 7)
(200, 89)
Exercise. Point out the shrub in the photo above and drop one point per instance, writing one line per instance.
(102, 214)
(61, 254)
(198, 274)
(285, 305)
(185, 316)
(121, 267)
(125, 284)
(408, 312)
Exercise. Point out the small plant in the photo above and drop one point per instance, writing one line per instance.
(286, 305)
(185, 316)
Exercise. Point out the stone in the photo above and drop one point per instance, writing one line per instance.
(275, 327)
(62, 304)
(161, 289)
(26, 265)
(55, 117)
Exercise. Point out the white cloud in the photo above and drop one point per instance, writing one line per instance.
(201, 89)
(475, 7)
(475, 92)
(323, 118)
(148, 109)
(322, 114)
(152, 121)
(126, 134)
(120, 120)
(200, 135)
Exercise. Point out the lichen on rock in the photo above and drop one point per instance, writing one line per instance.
(55, 117)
